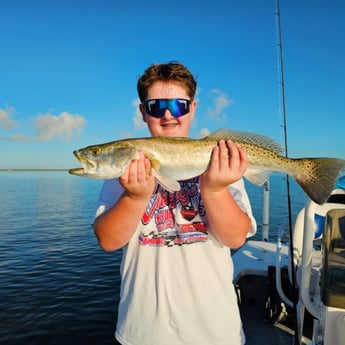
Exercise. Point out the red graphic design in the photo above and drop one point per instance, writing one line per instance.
(188, 213)
(163, 210)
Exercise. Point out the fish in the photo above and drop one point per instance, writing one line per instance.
(178, 159)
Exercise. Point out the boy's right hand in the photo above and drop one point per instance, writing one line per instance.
(138, 180)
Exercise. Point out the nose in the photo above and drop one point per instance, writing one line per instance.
(167, 114)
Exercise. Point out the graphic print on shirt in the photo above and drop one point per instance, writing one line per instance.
(174, 218)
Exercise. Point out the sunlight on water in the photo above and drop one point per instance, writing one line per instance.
(57, 286)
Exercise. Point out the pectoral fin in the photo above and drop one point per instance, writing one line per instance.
(167, 183)
(257, 177)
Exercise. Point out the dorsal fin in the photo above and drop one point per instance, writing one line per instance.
(246, 138)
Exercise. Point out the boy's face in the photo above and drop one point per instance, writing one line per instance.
(168, 126)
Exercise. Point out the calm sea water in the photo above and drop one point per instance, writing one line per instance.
(56, 285)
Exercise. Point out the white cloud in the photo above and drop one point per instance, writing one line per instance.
(204, 132)
(220, 102)
(6, 121)
(62, 126)
(137, 118)
(19, 137)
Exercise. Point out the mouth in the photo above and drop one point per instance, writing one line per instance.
(85, 162)
(77, 171)
(77, 155)
(169, 124)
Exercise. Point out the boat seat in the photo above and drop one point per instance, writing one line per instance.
(336, 200)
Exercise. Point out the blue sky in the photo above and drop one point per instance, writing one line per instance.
(68, 72)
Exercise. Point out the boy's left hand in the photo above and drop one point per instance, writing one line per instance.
(228, 164)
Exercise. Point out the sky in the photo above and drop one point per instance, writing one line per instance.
(68, 72)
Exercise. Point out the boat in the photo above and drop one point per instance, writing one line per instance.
(295, 294)
(292, 290)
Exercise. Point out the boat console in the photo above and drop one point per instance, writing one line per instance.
(319, 236)
(331, 324)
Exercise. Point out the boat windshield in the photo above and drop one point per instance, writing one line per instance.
(333, 272)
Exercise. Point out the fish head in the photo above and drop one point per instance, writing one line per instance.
(104, 161)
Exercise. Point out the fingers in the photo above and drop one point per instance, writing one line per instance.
(243, 159)
(237, 157)
(148, 167)
(138, 170)
(230, 157)
(138, 180)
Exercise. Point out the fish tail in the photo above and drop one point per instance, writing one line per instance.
(319, 177)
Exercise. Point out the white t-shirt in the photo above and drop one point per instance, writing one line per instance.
(176, 286)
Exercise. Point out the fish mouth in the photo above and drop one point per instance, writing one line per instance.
(85, 162)
(77, 171)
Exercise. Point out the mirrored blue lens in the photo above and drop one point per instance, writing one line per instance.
(157, 107)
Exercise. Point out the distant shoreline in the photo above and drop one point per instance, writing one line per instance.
(26, 170)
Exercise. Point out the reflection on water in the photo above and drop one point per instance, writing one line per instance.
(57, 286)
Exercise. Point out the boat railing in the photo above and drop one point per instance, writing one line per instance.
(307, 260)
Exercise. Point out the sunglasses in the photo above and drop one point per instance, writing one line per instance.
(157, 107)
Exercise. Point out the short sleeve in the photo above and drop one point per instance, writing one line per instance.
(240, 195)
(110, 193)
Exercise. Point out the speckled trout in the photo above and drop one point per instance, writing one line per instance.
(177, 159)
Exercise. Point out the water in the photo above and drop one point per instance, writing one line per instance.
(56, 285)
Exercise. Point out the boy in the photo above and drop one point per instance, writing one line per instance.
(176, 268)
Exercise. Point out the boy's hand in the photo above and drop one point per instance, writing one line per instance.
(138, 180)
(228, 164)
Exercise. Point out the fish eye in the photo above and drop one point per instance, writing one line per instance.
(95, 151)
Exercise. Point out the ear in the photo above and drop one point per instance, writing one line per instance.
(142, 111)
(192, 109)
